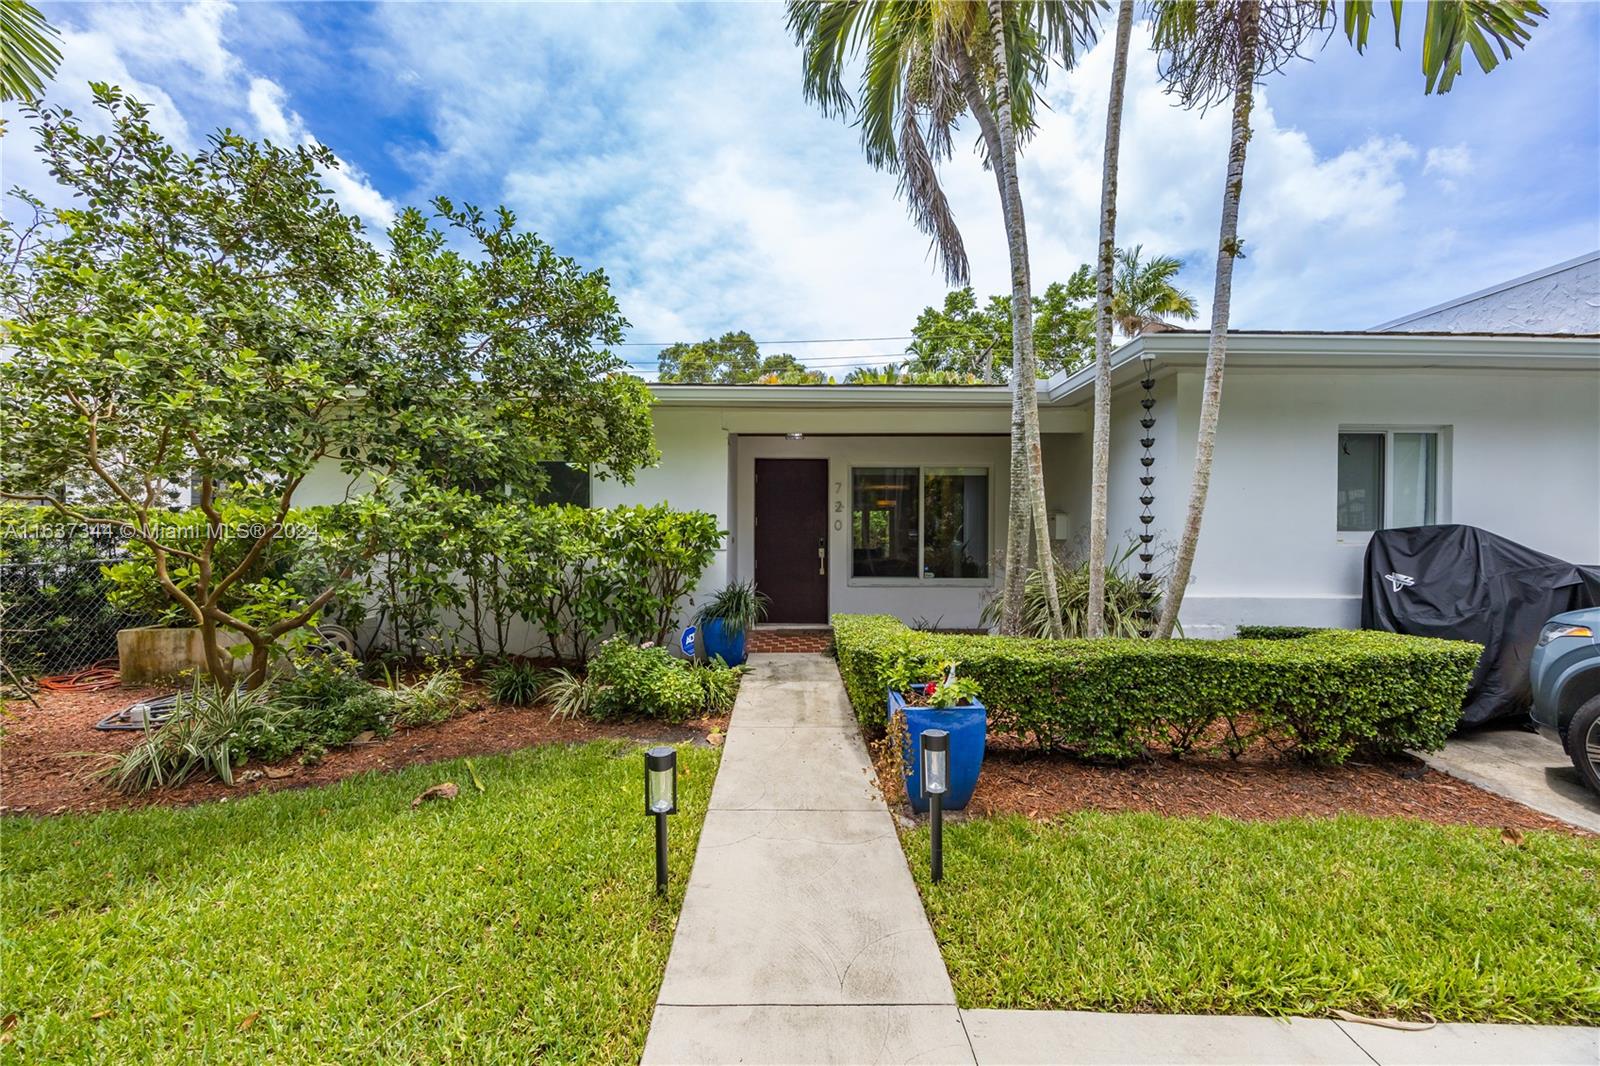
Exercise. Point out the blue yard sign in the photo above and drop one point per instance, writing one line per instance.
(688, 641)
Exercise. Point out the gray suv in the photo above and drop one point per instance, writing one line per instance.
(1565, 671)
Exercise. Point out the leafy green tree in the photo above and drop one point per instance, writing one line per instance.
(964, 338)
(785, 369)
(731, 359)
(217, 320)
(28, 52)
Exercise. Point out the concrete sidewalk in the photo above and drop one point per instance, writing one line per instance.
(803, 938)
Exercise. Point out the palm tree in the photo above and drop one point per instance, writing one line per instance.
(28, 55)
(1100, 467)
(877, 375)
(928, 63)
(1211, 50)
(906, 110)
(1018, 46)
(1144, 293)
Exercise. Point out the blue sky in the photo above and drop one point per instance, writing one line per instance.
(671, 146)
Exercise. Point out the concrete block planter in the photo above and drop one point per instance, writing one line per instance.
(154, 653)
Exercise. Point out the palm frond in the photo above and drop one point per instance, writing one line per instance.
(28, 53)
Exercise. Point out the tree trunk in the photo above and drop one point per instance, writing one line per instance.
(1228, 249)
(1100, 476)
(260, 660)
(1027, 504)
(218, 663)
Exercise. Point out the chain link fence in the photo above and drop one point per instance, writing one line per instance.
(55, 612)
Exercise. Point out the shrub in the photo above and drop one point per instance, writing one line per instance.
(432, 700)
(1277, 632)
(579, 572)
(720, 684)
(628, 679)
(516, 682)
(569, 695)
(202, 735)
(1124, 599)
(324, 704)
(1322, 696)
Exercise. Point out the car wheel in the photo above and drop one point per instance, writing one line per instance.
(1583, 742)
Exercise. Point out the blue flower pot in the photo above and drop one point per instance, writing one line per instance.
(968, 726)
(718, 639)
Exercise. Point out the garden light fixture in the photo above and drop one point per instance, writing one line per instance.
(935, 783)
(660, 800)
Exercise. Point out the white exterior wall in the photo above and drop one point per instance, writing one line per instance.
(1520, 456)
(691, 476)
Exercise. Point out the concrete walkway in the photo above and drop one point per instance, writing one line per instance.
(802, 935)
(803, 939)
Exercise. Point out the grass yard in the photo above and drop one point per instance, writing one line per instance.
(339, 924)
(1392, 917)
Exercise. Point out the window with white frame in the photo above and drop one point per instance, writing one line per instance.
(919, 522)
(1388, 479)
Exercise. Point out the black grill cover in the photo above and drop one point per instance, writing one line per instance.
(1466, 583)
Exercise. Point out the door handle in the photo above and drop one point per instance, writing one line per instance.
(822, 556)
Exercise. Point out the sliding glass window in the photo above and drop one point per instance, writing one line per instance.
(920, 522)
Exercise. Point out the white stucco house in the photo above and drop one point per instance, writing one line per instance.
(892, 499)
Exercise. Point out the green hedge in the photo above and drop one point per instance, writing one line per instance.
(1323, 696)
(1277, 632)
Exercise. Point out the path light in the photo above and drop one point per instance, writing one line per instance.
(935, 783)
(660, 800)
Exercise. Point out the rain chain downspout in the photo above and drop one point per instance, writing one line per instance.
(1147, 586)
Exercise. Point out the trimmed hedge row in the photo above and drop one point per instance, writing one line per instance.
(1323, 696)
(1277, 632)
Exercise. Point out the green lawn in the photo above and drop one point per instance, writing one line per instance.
(1142, 913)
(338, 924)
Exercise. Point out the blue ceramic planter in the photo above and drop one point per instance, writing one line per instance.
(717, 640)
(968, 726)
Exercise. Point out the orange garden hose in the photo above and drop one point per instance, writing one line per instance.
(97, 678)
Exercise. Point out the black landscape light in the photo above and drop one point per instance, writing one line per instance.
(660, 800)
(935, 783)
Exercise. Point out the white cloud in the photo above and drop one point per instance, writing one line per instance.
(1454, 162)
(163, 54)
(677, 151)
(1449, 163)
(670, 144)
(350, 186)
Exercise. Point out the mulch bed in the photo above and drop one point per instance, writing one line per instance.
(1260, 786)
(47, 754)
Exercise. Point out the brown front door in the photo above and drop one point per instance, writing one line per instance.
(792, 538)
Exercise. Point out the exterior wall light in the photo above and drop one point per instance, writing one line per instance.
(935, 783)
(660, 800)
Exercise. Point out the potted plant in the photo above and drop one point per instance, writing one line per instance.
(725, 619)
(942, 701)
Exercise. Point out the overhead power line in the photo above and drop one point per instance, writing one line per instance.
(817, 340)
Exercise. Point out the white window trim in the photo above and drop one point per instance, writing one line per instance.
(920, 581)
(1441, 503)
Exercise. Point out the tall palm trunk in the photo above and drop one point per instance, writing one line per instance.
(1227, 250)
(1100, 476)
(1028, 511)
